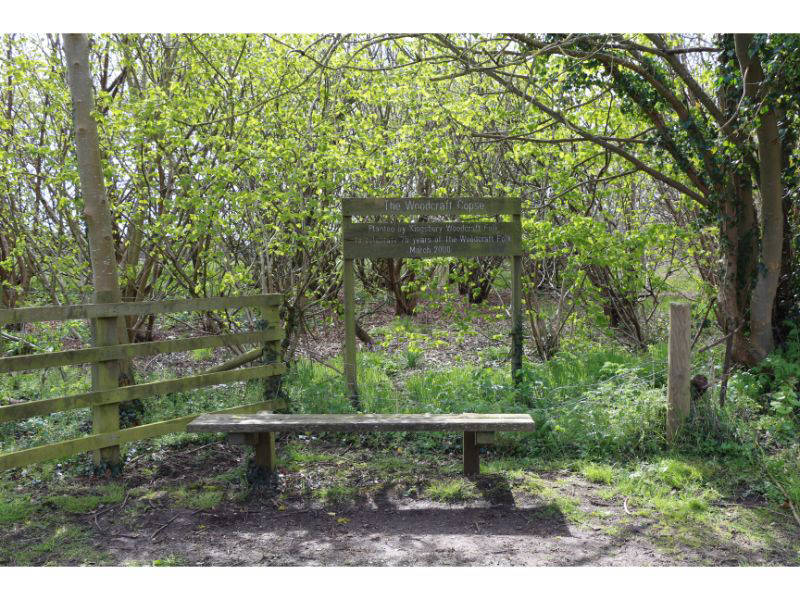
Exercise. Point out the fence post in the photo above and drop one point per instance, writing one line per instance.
(105, 376)
(678, 393)
(271, 352)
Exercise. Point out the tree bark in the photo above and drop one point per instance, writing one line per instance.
(97, 215)
(762, 301)
(96, 211)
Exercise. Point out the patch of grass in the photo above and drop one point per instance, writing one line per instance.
(154, 495)
(110, 494)
(386, 466)
(566, 505)
(64, 536)
(205, 499)
(169, 561)
(597, 473)
(61, 544)
(413, 355)
(236, 475)
(452, 490)
(313, 388)
(296, 456)
(513, 467)
(662, 477)
(336, 494)
(674, 491)
(15, 510)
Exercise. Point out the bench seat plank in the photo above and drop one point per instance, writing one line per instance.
(361, 422)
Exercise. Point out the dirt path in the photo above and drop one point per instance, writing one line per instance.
(382, 517)
(415, 533)
(337, 506)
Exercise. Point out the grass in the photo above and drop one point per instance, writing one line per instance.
(678, 494)
(388, 466)
(602, 474)
(336, 494)
(568, 506)
(452, 490)
(67, 542)
(109, 494)
(169, 561)
(295, 458)
(51, 542)
(14, 510)
(198, 499)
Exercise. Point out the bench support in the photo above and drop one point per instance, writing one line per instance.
(471, 460)
(265, 451)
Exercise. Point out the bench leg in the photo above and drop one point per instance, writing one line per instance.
(471, 459)
(265, 451)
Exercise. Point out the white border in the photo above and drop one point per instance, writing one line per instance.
(399, 15)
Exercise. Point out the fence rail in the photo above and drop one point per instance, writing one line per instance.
(21, 458)
(106, 393)
(88, 355)
(123, 309)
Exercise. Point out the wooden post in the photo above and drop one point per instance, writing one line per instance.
(678, 393)
(350, 326)
(471, 459)
(271, 353)
(105, 376)
(265, 452)
(516, 312)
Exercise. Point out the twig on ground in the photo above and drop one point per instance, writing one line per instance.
(105, 510)
(165, 525)
(625, 506)
(191, 450)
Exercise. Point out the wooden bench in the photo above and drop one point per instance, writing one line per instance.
(259, 429)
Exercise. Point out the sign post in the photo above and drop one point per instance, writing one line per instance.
(426, 240)
(349, 323)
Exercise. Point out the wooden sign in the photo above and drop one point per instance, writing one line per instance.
(428, 239)
(362, 207)
(425, 240)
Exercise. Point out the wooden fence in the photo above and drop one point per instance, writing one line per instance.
(106, 395)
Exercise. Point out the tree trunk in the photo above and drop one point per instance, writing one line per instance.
(98, 225)
(762, 301)
(739, 243)
(95, 210)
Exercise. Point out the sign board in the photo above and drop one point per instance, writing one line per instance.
(362, 207)
(426, 239)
